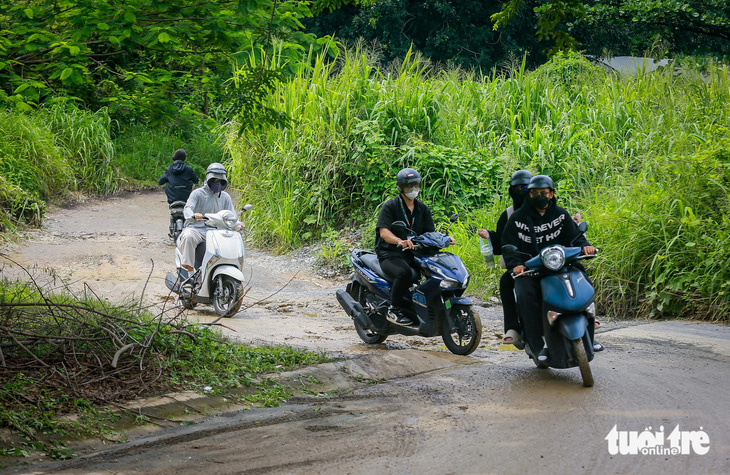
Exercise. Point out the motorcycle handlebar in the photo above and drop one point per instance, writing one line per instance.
(585, 256)
(533, 272)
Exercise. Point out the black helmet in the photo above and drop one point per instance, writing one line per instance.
(520, 177)
(407, 176)
(541, 181)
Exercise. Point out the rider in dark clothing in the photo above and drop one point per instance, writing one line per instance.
(179, 177)
(518, 192)
(538, 224)
(390, 243)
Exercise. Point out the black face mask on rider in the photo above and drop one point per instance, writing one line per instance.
(518, 193)
(215, 185)
(539, 202)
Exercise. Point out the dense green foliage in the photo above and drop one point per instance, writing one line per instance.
(143, 152)
(689, 27)
(444, 31)
(489, 33)
(627, 27)
(152, 59)
(48, 154)
(619, 148)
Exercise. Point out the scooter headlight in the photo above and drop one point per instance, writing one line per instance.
(591, 310)
(553, 258)
(230, 219)
(449, 284)
(435, 269)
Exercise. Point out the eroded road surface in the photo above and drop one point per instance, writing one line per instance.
(661, 401)
(119, 249)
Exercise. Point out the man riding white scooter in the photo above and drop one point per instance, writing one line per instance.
(213, 244)
(209, 198)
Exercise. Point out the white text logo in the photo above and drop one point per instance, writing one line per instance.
(646, 442)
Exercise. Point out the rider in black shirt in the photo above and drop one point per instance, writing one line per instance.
(390, 244)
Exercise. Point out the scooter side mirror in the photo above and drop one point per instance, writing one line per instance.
(454, 218)
(509, 249)
(582, 228)
(399, 226)
(247, 207)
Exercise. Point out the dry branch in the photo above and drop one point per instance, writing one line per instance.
(85, 349)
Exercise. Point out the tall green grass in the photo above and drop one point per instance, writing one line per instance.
(49, 154)
(84, 139)
(143, 153)
(645, 159)
(53, 153)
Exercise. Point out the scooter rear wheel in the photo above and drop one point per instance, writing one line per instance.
(177, 230)
(228, 295)
(466, 334)
(585, 368)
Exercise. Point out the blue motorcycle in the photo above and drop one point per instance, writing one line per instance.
(567, 305)
(436, 299)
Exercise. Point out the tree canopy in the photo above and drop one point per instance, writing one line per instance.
(153, 57)
(686, 26)
(445, 31)
(488, 33)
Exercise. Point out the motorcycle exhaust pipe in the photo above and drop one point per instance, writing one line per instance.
(353, 308)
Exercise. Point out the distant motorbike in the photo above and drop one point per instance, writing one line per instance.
(177, 219)
(218, 276)
(437, 299)
(567, 305)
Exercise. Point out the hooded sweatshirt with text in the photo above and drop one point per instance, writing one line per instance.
(531, 232)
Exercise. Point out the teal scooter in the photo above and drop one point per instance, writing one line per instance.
(568, 306)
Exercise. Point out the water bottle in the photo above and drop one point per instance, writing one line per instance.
(487, 252)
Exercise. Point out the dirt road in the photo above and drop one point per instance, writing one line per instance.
(119, 248)
(660, 405)
(660, 387)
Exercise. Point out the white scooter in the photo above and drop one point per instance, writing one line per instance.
(217, 278)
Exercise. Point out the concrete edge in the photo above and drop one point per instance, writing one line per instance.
(197, 415)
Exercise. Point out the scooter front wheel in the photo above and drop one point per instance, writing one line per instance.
(585, 368)
(366, 335)
(464, 337)
(228, 295)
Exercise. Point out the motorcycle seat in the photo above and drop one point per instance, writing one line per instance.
(372, 263)
(177, 204)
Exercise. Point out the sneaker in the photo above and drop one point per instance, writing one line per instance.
(395, 315)
(597, 347)
(543, 357)
(512, 337)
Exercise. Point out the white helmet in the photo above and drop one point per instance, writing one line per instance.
(216, 170)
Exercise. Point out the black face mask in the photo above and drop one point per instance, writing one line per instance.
(539, 202)
(518, 196)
